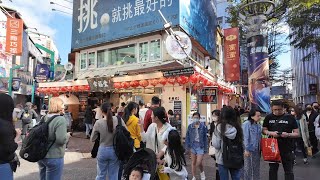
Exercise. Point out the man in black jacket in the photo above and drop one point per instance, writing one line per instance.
(311, 115)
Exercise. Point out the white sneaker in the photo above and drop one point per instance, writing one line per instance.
(203, 176)
(194, 178)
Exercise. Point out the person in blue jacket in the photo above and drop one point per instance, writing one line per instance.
(197, 144)
(252, 137)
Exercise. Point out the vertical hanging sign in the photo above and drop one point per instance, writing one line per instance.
(232, 54)
(14, 36)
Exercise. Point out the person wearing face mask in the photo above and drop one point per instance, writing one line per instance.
(311, 116)
(215, 119)
(197, 144)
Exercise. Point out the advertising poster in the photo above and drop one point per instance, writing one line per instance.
(14, 36)
(258, 72)
(232, 55)
(208, 95)
(95, 22)
(4, 84)
(177, 111)
(16, 82)
(42, 72)
(59, 72)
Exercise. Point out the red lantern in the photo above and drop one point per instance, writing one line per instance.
(69, 88)
(194, 78)
(182, 80)
(144, 83)
(154, 82)
(40, 90)
(82, 88)
(117, 85)
(54, 90)
(206, 82)
(172, 80)
(63, 89)
(163, 81)
(87, 88)
(75, 88)
(125, 85)
(134, 84)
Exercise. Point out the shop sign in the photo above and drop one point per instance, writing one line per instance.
(177, 107)
(97, 21)
(59, 72)
(100, 84)
(208, 95)
(42, 72)
(232, 55)
(14, 36)
(16, 82)
(178, 72)
(313, 89)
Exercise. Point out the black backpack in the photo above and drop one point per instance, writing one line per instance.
(232, 154)
(122, 142)
(36, 144)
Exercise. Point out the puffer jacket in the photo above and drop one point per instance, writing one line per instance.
(7, 144)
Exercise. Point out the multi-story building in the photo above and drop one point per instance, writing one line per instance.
(306, 76)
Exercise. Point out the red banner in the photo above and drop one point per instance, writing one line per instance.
(231, 54)
(14, 36)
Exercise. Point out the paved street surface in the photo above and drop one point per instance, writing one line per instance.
(79, 165)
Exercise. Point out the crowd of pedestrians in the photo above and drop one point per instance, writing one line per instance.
(237, 144)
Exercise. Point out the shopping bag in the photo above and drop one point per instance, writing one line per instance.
(212, 150)
(270, 150)
(162, 176)
(309, 151)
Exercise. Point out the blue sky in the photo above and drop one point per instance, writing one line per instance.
(38, 14)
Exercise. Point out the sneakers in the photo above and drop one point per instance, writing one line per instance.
(305, 161)
(203, 176)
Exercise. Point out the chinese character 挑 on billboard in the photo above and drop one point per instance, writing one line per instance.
(232, 54)
(14, 36)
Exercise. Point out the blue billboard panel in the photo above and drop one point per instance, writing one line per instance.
(198, 19)
(101, 21)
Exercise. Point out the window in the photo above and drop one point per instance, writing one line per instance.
(155, 51)
(143, 52)
(123, 55)
(92, 59)
(83, 61)
(102, 59)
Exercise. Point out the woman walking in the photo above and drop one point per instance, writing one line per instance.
(251, 137)
(197, 144)
(132, 122)
(228, 129)
(51, 167)
(173, 154)
(215, 119)
(88, 117)
(303, 141)
(107, 161)
(8, 137)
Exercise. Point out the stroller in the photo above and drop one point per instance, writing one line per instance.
(144, 158)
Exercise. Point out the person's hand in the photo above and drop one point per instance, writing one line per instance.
(285, 134)
(273, 134)
(246, 153)
(18, 132)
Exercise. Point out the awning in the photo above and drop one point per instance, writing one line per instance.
(64, 83)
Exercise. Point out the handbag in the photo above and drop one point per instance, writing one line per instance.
(162, 176)
(212, 150)
(94, 151)
(14, 163)
(309, 151)
(270, 150)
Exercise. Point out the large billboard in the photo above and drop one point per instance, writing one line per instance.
(101, 21)
(198, 19)
(14, 36)
(232, 55)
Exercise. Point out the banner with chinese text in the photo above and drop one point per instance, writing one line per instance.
(232, 55)
(14, 36)
(100, 84)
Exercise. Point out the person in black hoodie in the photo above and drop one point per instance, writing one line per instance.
(8, 137)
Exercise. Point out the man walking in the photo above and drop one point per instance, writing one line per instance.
(283, 127)
(26, 116)
(155, 102)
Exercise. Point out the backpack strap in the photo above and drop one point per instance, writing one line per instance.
(119, 121)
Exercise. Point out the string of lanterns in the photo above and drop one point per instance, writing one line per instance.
(55, 91)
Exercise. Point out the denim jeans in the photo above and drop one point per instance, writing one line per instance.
(6, 172)
(51, 169)
(224, 173)
(88, 129)
(107, 163)
(287, 162)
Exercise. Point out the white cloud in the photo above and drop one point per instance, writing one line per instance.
(38, 13)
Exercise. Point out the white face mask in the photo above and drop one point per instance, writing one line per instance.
(214, 119)
(196, 120)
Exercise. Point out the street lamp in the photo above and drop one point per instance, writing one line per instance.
(61, 11)
(11, 77)
(60, 5)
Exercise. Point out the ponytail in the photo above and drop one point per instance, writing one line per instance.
(128, 111)
(106, 108)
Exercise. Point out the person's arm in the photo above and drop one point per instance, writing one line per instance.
(246, 131)
(188, 141)
(61, 131)
(8, 145)
(20, 114)
(216, 140)
(34, 114)
(265, 130)
(147, 120)
(205, 137)
(138, 131)
(294, 127)
(94, 134)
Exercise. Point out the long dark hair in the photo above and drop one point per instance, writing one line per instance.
(6, 107)
(298, 111)
(176, 150)
(229, 116)
(252, 112)
(127, 111)
(160, 112)
(106, 109)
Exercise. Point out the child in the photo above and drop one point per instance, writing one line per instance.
(173, 154)
(136, 174)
